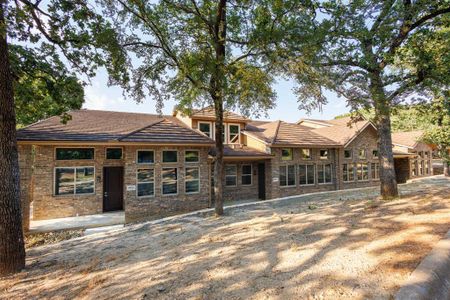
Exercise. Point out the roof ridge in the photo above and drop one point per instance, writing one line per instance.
(139, 129)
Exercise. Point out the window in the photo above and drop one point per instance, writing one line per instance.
(375, 168)
(306, 174)
(192, 180)
(287, 175)
(145, 182)
(414, 167)
(230, 175)
(74, 153)
(205, 128)
(323, 154)
(362, 153)
(348, 172)
(306, 153)
(233, 134)
(427, 167)
(170, 156)
(348, 153)
(246, 176)
(145, 157)
(191, 156)
(77, 180)
(324, 173)
(374, 153)
(363, 171)
(169, 181)
(286, 154)
(421, 154)
(113, 153)
(421, 167)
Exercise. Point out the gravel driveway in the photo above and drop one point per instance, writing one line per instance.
(326, 246)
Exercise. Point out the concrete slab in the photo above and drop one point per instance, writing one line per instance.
(80, 222)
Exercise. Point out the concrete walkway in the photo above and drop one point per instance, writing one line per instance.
(90, 221)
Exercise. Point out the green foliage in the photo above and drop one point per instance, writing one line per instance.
(42, 88)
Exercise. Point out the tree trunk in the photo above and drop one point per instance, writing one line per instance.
(217, 94)
(446, 168)
(12, 252)
(388, 180)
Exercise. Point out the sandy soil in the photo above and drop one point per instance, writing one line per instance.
(329, 250)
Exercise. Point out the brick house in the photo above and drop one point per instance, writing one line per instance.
(151, 166)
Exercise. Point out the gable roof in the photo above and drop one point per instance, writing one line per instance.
(210, 114)
(106, 126)
(409, 139)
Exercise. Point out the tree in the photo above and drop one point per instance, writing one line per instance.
(358, 49)
(65, 28)
(42, 87)
(202, 53)
(439, 133)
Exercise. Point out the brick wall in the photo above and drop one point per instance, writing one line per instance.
(157, 206)
(25, 163)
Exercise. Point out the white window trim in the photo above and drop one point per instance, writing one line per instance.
(191, 162)
(378, 154)
(314, 174)
(365, 154)
(74, 182)
(324, 157)
(287, 172)
(351, 153)
(192, 180)
(228, 135)
(113, 159)
(211, 130)
(137, 183)
(145, 163)
(234, 165)
(73, 147)
(162, 181)
(371, 171)
(292, 154)
(251, 174)
(173, 162)
(323, 169)
(362, 173)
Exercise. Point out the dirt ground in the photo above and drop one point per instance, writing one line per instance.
(322, 249)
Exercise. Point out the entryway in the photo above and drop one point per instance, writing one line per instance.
(112, 189)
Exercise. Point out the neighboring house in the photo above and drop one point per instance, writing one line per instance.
(152, 166)
(412, 157)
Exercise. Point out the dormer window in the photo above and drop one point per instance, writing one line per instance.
(205, 128)
(233, 134)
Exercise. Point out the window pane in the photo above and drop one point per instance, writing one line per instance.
(145, 175)
(85, 174)
(306, 153)
(170, 156)
(113, 153)
(283, 176)
(286, 154)
(365, 171)
(230, 180)
(375, 153)
(362, 153)
(345, 172)
(230, 170)
(347, 153)
(233, 133)
(351, 172)
(323, 154)
(310, 174)
(64, 181)
(85, 187)
(146, 157)
(205, 128)
(246, 174)
(146, 189)
(169, 174)
(192, 186)
(247, 170)
(192, 174)
(320, 174)
(169, 188)
(302, 174)
(74, 153)
(191, 156)
(291, 175)
(327, 173)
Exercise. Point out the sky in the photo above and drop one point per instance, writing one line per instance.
(100, 96)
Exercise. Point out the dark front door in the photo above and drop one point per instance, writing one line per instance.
(112, 188)
(262, 181)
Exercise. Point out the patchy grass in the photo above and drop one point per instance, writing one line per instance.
(39, 239)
